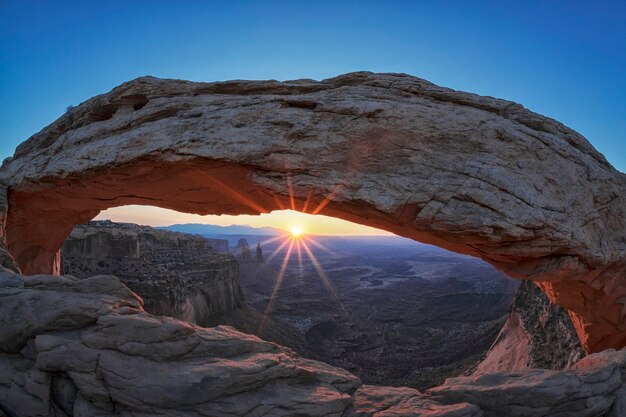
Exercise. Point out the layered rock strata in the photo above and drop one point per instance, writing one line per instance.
(176, 274)
(476, 175)
(86, 348)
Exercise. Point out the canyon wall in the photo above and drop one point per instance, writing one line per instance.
(176, 274)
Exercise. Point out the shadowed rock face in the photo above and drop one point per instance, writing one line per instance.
(537, 334)
(472, 174)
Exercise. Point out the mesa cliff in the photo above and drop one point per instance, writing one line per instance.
(178, 275)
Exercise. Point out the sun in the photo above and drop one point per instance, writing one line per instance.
(296, 231)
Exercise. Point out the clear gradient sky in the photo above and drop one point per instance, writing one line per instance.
(563, 59)
(281, 219)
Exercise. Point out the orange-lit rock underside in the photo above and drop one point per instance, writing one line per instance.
(471, 174)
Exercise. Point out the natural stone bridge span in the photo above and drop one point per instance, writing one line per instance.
(476, 175)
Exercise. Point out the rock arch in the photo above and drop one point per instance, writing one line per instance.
(473, 174)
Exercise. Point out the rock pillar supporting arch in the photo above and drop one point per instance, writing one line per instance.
(472, 174)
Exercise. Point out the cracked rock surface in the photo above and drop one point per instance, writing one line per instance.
(86, 348)
(476, 175)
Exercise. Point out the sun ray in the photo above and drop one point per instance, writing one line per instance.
(235, 195)
(323, 204)
(290, 187)
(273, 239)
(277, 284)
(299, 249)
(325, 280)
(327, 199)
(307, 201)
(279, 203)
(278, 249)
(318, 245)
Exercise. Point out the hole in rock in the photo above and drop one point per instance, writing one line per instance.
(102, 113)
(389, 309)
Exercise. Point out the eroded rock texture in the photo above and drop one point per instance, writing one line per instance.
(86, 347)
(176, 274)
(473, 174)
(537, 334)
(6, 260)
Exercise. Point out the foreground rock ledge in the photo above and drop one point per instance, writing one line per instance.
(87, 348)
(472, 174)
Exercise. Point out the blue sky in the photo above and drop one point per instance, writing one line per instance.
(566, 60)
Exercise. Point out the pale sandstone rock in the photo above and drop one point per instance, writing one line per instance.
(473, 174)
(16, 386)
(28, 312)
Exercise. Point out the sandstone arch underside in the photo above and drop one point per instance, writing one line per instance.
(477, 175)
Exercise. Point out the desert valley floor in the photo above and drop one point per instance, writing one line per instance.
(390, 310)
